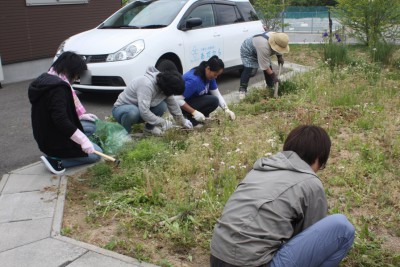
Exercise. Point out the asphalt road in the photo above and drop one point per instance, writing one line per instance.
(17, 146)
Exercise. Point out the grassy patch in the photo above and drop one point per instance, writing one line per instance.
(163, 201)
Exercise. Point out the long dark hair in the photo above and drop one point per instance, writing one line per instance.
(310, 142)
(215, 64)
(69, 64)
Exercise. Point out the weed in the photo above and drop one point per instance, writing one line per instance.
(334, 55)
(171, 190)
(382, 52)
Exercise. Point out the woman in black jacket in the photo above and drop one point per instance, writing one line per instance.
(57, 114)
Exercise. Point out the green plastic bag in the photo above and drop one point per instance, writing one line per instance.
(110, 136)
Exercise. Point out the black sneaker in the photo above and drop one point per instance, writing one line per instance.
(54, 165)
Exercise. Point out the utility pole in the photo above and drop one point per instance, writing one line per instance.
(283, 16)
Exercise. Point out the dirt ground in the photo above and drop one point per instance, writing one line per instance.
(77, 226)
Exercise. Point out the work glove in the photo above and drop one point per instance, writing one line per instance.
(230, 113)
(280, 59)
(274, 78)
(88, 117)
(166, 125)
(187, 124)
(81, 139)
(198, 116)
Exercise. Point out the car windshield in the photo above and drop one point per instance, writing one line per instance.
(145, 14)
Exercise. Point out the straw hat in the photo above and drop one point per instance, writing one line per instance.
(279, 42)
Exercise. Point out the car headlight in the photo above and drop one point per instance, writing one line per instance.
(128, 52)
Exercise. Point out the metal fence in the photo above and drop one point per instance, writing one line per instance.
(308, 22)
(313, 19)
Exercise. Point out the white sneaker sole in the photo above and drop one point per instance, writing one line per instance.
(49, 167)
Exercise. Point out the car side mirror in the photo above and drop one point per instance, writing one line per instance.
(191, 23)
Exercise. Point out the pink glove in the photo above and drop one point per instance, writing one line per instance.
(81, 139)
(88, 117)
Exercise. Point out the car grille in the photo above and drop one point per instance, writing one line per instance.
(107, 81)
(94, 58)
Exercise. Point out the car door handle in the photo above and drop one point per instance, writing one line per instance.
(217, 35)
(245, 30)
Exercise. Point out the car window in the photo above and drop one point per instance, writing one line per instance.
(227, 14)
(247, 11)
(205, 12)
(145, 14)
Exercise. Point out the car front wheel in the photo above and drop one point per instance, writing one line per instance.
(166, 65)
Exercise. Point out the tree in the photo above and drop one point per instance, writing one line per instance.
(370, 20)
(312, 2)
(270, 12)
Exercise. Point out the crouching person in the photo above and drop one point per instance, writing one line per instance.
(56, 112)
(277, 215)
(147, 98)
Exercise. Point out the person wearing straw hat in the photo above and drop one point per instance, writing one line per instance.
(256, 51)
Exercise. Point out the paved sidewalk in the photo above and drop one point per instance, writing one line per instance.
(31, 211)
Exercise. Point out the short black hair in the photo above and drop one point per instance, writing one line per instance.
(170, 83)
(70, 64)
(310, 142)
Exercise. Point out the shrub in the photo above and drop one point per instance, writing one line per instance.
(382, 52)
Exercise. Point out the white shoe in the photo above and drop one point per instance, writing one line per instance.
(242, 95)
(155, 131)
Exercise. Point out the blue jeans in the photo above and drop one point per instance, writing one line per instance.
(89, 127)
(129, 114)
(92, 158)
(324, 244)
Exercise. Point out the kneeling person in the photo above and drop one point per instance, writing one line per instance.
(147, 98)
(201, 95)
(277, 215)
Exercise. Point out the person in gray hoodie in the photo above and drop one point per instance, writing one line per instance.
(147, 98)
(277, 215)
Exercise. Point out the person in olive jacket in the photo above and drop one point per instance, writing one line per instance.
(57, 113)
(277, 215)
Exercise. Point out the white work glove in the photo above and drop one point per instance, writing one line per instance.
(187, 124)
(230, 113)
(81, 139)
(198, 116)
(88, 117)
(166, 125)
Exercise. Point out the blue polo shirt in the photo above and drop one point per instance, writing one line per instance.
(195, 86)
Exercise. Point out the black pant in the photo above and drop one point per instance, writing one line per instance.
(245, 78)
(215, 262)
(204, 104)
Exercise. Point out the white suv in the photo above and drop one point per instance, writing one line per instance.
(144, 33)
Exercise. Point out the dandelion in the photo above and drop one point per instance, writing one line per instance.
(222, 163)
(232, 167)
(206, 145)
(237, 150)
